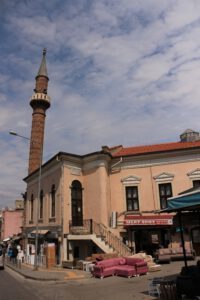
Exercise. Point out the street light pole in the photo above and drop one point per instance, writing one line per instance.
(38, 196)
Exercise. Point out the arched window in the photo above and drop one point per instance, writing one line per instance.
(41, 205)
(76, 203)
(53, 202)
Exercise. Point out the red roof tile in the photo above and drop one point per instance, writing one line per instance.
(156, 148)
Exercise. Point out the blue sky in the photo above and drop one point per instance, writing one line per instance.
(121, 72)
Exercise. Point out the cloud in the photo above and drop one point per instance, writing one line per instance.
(121, 72)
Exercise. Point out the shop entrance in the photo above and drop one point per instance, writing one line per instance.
(150, 240)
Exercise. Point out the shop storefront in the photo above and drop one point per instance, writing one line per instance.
(48, 246)
(148, 233)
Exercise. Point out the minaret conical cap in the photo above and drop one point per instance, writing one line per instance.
(43, 69)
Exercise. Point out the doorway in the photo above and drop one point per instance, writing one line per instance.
(150, 240)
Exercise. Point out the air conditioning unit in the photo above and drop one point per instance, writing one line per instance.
(113, 223)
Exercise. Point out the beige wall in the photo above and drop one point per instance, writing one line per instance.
(147, 178)
(104, 187)
(47, 180)
(104, 193)
(96, 195)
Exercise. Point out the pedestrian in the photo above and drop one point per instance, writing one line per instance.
(14, 254)
(20, 257)
(9, 253)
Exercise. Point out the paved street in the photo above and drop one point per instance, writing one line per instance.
(11, 289)
(83, 288)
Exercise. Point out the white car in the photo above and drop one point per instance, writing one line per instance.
(1, 259)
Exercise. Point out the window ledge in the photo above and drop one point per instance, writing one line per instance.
(51, 220)
(133, 212)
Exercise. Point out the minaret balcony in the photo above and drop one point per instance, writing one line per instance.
(40, 96)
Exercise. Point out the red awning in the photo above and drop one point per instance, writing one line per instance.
(132, 220)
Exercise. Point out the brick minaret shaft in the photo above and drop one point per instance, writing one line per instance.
(40, 102)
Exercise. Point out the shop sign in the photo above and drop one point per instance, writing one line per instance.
(148, 221)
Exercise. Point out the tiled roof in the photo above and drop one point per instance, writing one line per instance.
(138, 150)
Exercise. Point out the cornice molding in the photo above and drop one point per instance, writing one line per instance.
(131, 180)
(163, 177)
(194, 174)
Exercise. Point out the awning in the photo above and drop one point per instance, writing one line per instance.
(185, 202)
(132, 220)
(40, 231)
(6, 240)
(16, 238)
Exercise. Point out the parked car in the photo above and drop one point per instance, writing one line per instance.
(1, 259)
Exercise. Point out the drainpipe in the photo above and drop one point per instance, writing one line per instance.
(118, 162)
(62, 248)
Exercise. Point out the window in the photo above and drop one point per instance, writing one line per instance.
(77, 203)
(196, 183)
(31, 208)
(132, 198)
(41, 205)
(165, 191)
(53, 201)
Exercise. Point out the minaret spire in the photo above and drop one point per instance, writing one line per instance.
(43, 69)
(40, 102)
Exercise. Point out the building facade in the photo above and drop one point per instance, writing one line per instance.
(116, 192)
(106, 201)
(12, 222)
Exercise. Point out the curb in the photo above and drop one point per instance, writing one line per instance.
(32, 277)
(72, 276)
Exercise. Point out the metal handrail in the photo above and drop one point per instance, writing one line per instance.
(100, 230)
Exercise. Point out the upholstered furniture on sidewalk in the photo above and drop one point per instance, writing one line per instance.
(167, 254)
(120, 266)
(152, 266)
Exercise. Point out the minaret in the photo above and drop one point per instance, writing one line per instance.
(40, 102)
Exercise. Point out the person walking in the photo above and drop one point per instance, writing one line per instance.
(9, 253)
(14, 254)
(20, 257)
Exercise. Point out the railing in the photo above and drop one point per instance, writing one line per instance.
(91, 227)
(111, 239)
(85, 228)
(27, 259)
(41, 260)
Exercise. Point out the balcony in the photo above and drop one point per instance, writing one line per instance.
(85, 229)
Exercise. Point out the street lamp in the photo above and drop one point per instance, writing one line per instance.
(37, 203)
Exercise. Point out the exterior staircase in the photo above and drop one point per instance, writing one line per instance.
(101, 236)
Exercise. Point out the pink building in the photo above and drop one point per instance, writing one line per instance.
(12, 222)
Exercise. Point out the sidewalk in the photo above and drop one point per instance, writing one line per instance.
(49, 275)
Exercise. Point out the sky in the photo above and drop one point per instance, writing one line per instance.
(121, 72)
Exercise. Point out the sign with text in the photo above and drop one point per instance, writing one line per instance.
(148, 220)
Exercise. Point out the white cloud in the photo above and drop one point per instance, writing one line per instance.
(119, 72)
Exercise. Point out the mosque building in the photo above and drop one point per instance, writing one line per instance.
(105, 201)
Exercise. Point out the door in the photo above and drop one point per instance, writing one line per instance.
(76, 201)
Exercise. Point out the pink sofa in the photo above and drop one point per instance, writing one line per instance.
(121, 266)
